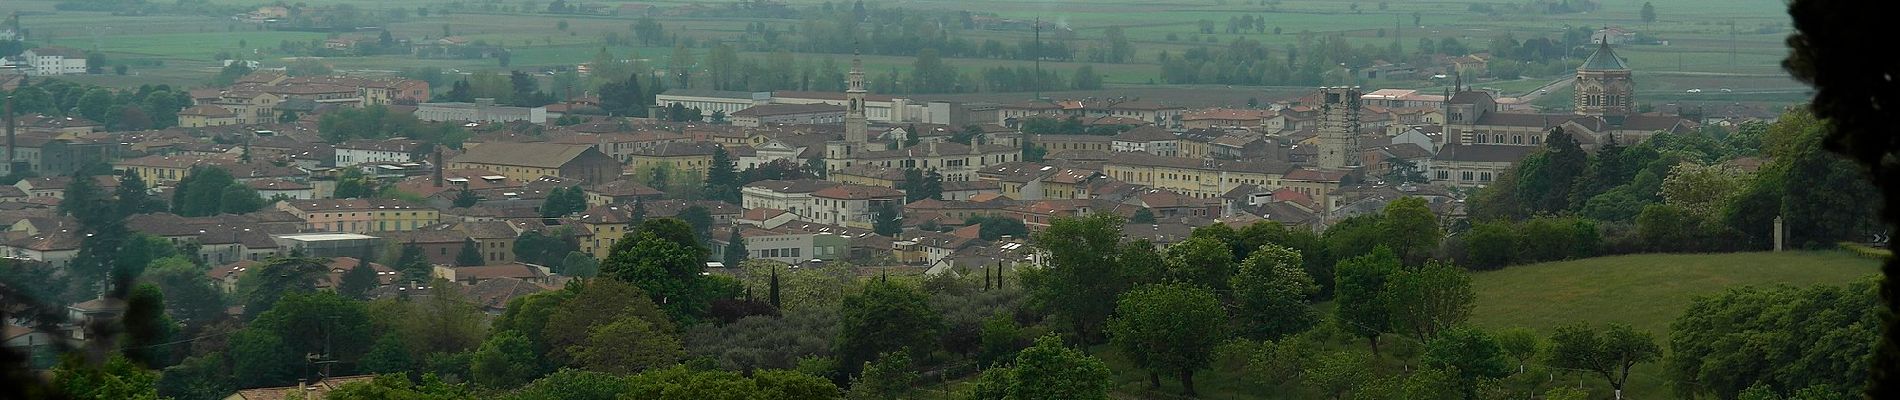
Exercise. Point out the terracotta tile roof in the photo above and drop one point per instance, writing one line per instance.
(858, 192)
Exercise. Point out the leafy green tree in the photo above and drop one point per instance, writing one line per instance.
(133, 197)
(1432, 383)
(574, 320)
(882, 318)
(1410, 228)
(307, 321)
(1520, 344)
(1336, 374)
(1468, 353)
(1271, 291)
(261, 287)
(188, 295)
(117, 378)
(1429, 300)
(544, 248)
(387, 356)
(1048, 370)
(626, 346)
(204, 376)
(1361, 297)
(890, 376)
(993, 228)
(1356, 235)
(666, 270)
(1784, 337)
(579, 265)
(1083, 278)
(470, 255)
(573, 384)
(147, 329)
(1168, 328)
(260, 358)
(1490, 245)
(1610, 352)
(1649, 12)
(1201, 261)
(504, 361)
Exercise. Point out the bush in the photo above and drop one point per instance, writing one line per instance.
(1870, 252)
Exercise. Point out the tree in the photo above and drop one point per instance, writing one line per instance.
(1168, 328)
(666, 270)
(1082, 279)
(1520, 344)
(699, 218)
(1142, 216)
(1410, 228)
(722, 178)
(579, 265)
(1051, 370)
(1086, 78)
(889, 377)
(413, 266)
(883, 317)
(567, 319)
(387, 355)
(470, 255)
(1430, 299)
(626, 346)
(1271, 290)
(260, 288)
(1468, 353)
(466, 199)
(887, 220)
(188, 295)
(1490, 245)
(260, 358)
(1609, 352)
(358, 281)
(1649, 12)
(544, 248)
(1335, 374)
(146, 327)
(117, 378)
(735, 248)
(1362, 283)
(1785, 337)
(505, 360)
(1203, 261)
(564, 201)
(132, 196)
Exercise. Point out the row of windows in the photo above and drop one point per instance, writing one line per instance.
(1465, 176)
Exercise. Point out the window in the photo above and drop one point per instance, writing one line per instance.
(1465, 176)
(1444, 175)
(1486, 177)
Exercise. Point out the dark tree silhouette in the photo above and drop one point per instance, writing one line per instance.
(1856, 92)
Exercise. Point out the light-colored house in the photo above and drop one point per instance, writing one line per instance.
(206, 115)
(806, 114)
(360, 151)
(794, 196)
(853, 206)
(50, 61)
(482, 110)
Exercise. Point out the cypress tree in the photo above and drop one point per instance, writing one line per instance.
(471, 254)
(774, 287)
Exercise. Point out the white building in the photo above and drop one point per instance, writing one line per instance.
(46, 61)
(360, 151)
(853, 206)
(710, 101)
(482, 110)
(793, 196)
(802, 114)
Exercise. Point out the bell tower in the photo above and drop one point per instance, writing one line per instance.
(855, 124)
(1603, 84)
(1339, 127)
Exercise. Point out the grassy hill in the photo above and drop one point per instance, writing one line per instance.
(1645, 291)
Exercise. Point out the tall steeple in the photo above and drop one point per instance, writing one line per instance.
(855, 124)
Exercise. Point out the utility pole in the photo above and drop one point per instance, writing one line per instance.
(1037, 53)
(9, 111)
